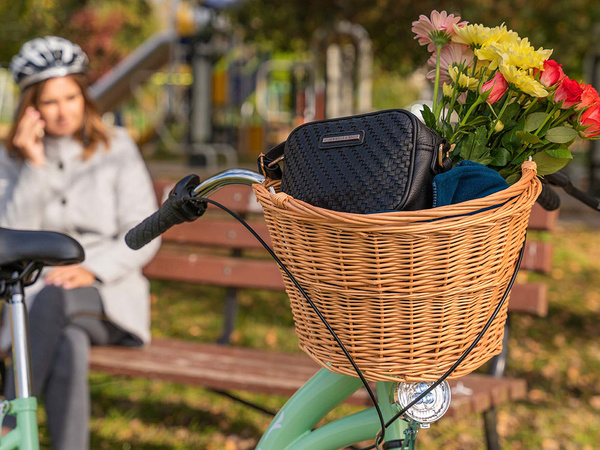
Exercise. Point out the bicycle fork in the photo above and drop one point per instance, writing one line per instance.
(24, 406)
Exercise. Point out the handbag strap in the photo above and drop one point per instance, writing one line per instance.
(268, 163)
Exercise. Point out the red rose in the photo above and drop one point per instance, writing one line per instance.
(589, 96)
(497, 86)
(569, 92)
(591, 119)
(552, 73)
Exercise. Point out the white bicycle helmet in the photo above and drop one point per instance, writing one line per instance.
(47, 57)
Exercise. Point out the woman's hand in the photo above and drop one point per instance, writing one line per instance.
(70, 277)
(28, 137)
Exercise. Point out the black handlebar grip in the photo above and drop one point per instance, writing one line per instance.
(548, 199)
(153, 226)
(178, 208)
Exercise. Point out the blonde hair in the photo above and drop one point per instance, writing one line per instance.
(93, 131)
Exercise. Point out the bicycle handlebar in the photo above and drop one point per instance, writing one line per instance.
(185, 204)
(549, 199)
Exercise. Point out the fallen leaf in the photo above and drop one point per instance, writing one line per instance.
(595, 402)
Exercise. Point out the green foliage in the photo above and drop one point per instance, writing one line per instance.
(392, 90)
(565, 26)
(107, 30)
(27, 19)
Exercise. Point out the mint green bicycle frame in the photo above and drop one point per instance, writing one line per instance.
(293, 426)
(24, 406)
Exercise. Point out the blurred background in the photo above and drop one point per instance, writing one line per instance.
(213, 83)
(205, 85)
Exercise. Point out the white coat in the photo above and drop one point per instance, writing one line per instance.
(95, 201)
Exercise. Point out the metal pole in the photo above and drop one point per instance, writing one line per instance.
(20, 345)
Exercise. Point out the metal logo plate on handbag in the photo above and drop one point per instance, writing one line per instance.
(342, 139)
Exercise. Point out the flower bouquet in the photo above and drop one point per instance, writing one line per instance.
(499, 101)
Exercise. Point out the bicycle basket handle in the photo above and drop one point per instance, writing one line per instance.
(179, 207)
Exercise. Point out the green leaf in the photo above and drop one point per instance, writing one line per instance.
(510, 140)
(510, 112)
(428, 117)
(476, 122)
(480, 150)
(535, 120)
(546, 164)
(473, 146)
(500, 157)
(560, 153)
(466, 146)
(509, 124)
(513, 177)
(528, 137)
(561, 135)
(520, 159)
(447, 131)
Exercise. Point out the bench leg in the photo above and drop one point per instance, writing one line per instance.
(491, 433)
(497, 366)
(229, 316)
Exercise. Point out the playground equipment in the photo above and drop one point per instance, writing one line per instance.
(239, 101)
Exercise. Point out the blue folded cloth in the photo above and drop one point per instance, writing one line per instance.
(466, 181)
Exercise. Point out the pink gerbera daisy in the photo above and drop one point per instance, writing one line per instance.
(453, 54)
(436, 30)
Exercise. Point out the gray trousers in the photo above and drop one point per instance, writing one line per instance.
(63, 324)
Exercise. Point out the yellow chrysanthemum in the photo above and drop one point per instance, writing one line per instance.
(522, 80)
(448, 90)
(461, 80)
(478, 36)
(518, 53)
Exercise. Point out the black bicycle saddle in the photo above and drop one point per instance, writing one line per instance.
(46, 248)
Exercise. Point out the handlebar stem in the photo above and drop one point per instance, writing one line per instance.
(231, 176)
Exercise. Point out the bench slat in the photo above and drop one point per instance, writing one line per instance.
(214, 270)
(215, 232)
(220, 367)
(540, 219)
(530, 298)
(537, 256)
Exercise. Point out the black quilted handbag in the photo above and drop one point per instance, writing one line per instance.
(380, 161)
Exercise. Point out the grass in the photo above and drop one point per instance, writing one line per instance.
(559, 356)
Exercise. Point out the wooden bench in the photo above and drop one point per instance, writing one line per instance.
(188, 255)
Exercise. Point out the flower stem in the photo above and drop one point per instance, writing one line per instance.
(550, 114)
(563, 116)
(471, 109)
(436, 85)
(504, 105)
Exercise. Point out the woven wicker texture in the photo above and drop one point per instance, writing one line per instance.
(407, 292)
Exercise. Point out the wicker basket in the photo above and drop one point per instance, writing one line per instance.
(407, 292)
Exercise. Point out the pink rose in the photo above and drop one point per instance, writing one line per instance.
(552, 73)
(497, 86)
(591, 119)
(589, 96)
(569, 92)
